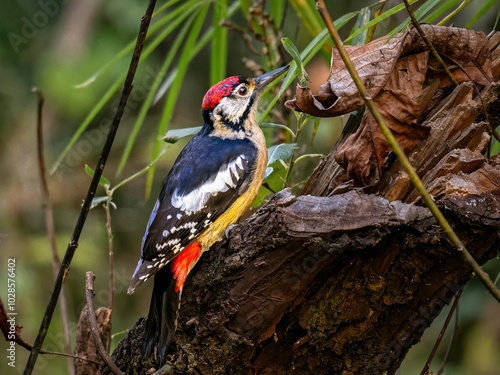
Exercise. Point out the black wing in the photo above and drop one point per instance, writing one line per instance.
(207, 177)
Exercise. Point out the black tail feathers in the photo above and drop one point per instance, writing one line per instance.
(162, 317)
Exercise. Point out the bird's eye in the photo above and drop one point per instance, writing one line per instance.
(243, 90)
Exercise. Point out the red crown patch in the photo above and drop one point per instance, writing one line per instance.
(219, 91)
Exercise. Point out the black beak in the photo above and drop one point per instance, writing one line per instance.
(262, 81)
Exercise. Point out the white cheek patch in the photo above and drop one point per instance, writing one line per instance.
(232, 109)
(227, 178)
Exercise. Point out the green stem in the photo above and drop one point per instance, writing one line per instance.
(137, 174)
(300, 126)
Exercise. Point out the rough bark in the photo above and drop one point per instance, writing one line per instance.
(85, 346)
(344, 282)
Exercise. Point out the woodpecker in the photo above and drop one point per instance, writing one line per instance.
(211, 184)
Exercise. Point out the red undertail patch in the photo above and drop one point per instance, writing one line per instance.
(183, 264)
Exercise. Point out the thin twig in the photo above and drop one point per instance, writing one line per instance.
(94, 330)
(111, 256)
(448, 349)
(73, 243)
(429, 45)
(72, 356)
(427, 365)
(403, 159)
(49, 222)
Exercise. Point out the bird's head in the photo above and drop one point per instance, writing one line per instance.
(230, 105)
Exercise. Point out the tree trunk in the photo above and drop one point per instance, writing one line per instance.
(344, 280)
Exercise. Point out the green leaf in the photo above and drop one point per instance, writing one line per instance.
(307, 156)
(103, 181)
(100, 200)
(276, 153)
(311, 19)
(268, 172)
(277, 11)
(363, 19)
(275, 175)
(271, 125)
(444, 7)
(294, 52)
(218, 53)
(174, 135)
(282, 151)
(419, 14)
(86, 122)
(481, 12)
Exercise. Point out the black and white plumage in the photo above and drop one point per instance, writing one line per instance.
(194, 194)
(211, 184)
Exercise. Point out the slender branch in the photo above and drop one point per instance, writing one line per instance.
(427, 365)
(94, 330)
(111, 255)
(73, 243)
(68, 355)
(403, 159)
(448, 349)
(429, 45)
(49, 222)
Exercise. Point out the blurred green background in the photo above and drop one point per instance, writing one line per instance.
(58, 46)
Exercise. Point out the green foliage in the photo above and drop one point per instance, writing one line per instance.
(362, 19)
(219, 50)
(490, 4)
(185, 43)
(103, 181)
(174, 135)
(279, 153)
(302, 76)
